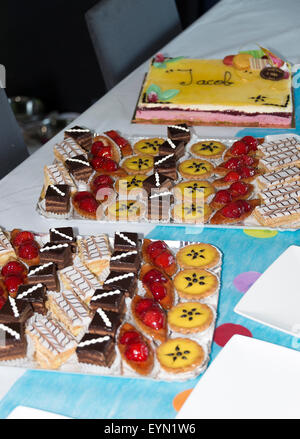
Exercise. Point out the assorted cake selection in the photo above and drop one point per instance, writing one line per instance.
(250, 88)
(175, 179)
(119, 306)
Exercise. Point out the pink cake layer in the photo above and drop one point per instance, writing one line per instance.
(215, 117)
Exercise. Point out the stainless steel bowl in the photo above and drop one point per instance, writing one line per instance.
(27, 108)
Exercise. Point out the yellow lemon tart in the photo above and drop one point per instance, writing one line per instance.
(198, 255)
(190, 317)
(192, 213)
(180, 355)
(195, 169)
(125, 210)
(195, 283)
(129, 183)
(148, 146)
(193, 189)
(210, 149)
(138, 164)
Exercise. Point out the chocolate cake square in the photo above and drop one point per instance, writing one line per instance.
(105, 322)
(15, 311)
(13, 344)
(79, 167)
(172, 147)
(45, 274)
(113, 300)
(179, 132)
(57, 198)
(63, 235)
(166, 165)
(159, 206)
(60, 254)
(126, 241)
(125, 261)
(82, 136)
(126, 282)
(157, 183)
(93, 349)
(35, 295)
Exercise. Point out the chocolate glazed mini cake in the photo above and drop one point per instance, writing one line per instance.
(79, 167)
(166, 165)
(97, 350)
(172, 147)
(82, 136)
(157, 183)
(45, 274)
(159, 206)
(180, 132)
(125, 261)
(13, 342)
(63, 235)
(113, 300)
(35, 295)
(60, 254)
(126, 241)
(126, 282)
(105, 322)
(57, 199)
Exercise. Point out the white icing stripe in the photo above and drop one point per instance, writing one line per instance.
(163, 159)
(14, 306)
(123, 255)
(53, 247)
(177, 127)
(63, 235)
(10, 331)
(29, 291)
(157, 179)
(93, 341)
(37, 269)
(116, 278)
(77, 130)
(104, 317)
(160, 194)
(57, 190)
(172, 145)
(109, 293)
(126, 238)
(86, 163)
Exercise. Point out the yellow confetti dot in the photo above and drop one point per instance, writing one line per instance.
(260, 233)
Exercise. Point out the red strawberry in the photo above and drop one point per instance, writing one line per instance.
(89, 205)
(154, 318)
(158, 290)
(97, 163)
(143, 305)
(239, 148)
(232, 163)
(130, 337)
(28, 250)
(12, 283)
(137, 351)
(164, 259)
(12, 267)
(232, 210)
(222, 197)
(247, 172)
(109, 165)
(82, 196)
(247, 160)
(103, 180)
(251, 142)
(238, 188)
(232, 176)
(228, 60)
(96, 147)
(244, 205)
(104, 151)
(22, 237)
(154, 276)
(155, 248)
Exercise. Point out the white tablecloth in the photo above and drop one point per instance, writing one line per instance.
(229, 26)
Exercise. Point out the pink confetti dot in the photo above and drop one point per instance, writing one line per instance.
(244, 281)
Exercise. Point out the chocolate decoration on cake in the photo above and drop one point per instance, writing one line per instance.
(83, 136)
(35, 295)
(105, 322)
(13, 343)
(79, 167)
(125, 261)
(157, 183)
(166, 165)
(63, 235)
(126, 282)
(272, 73)
(179, 132)
(45, 274)
(176, 147)
(126, 241)
(57, 198)
(60, 254)
(15, 311)
(113, 300)
(93, 349)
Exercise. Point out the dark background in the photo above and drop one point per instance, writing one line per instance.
(47, 51)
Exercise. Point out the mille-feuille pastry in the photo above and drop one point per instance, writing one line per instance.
(94, 252)
(82, 136)
(208, 150)
(280, 193)
(195, 283)
(237, 191)
(148, 146)
(125, 261)
(53, 344)
(105, 322)
(276, 146)
(44, 273)
(26, 247)
(135, 349)
(66, 149)
(138, 164)
(60, 254)
(13, 342)
(79, 168)
(57, 199)
(57, 174)
(158, 285)
(179, 355)
(279, 213)
(166, 165)
(78, 278)
(159, 254)
(179, 132)
(273, 179)
(280, 161)
(96, 350)
(190, 317)
(63, 235)
(130, 184)
(125, 210)
(193, 189)
(191, 212)
(68, 309)
(176, 147)
(6, 249)
(198, 255)
(112, 300)
(159, 205)
(235, 212)
(126, 282)
(35, 295)
(149, 317)
(195, 169)
(126, 241)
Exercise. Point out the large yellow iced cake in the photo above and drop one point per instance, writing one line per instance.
(240, 91)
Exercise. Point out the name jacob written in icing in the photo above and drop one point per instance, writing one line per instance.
(191, 80)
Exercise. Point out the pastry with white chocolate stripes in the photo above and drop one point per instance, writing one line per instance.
(79, 278)
(279, 213)
(67, 149)
(6, 249)
(94, 252)
(280, 193)
(278, 178)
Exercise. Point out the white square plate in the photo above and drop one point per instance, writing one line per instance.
(274, 299)
(249, 379)
(22, 412)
